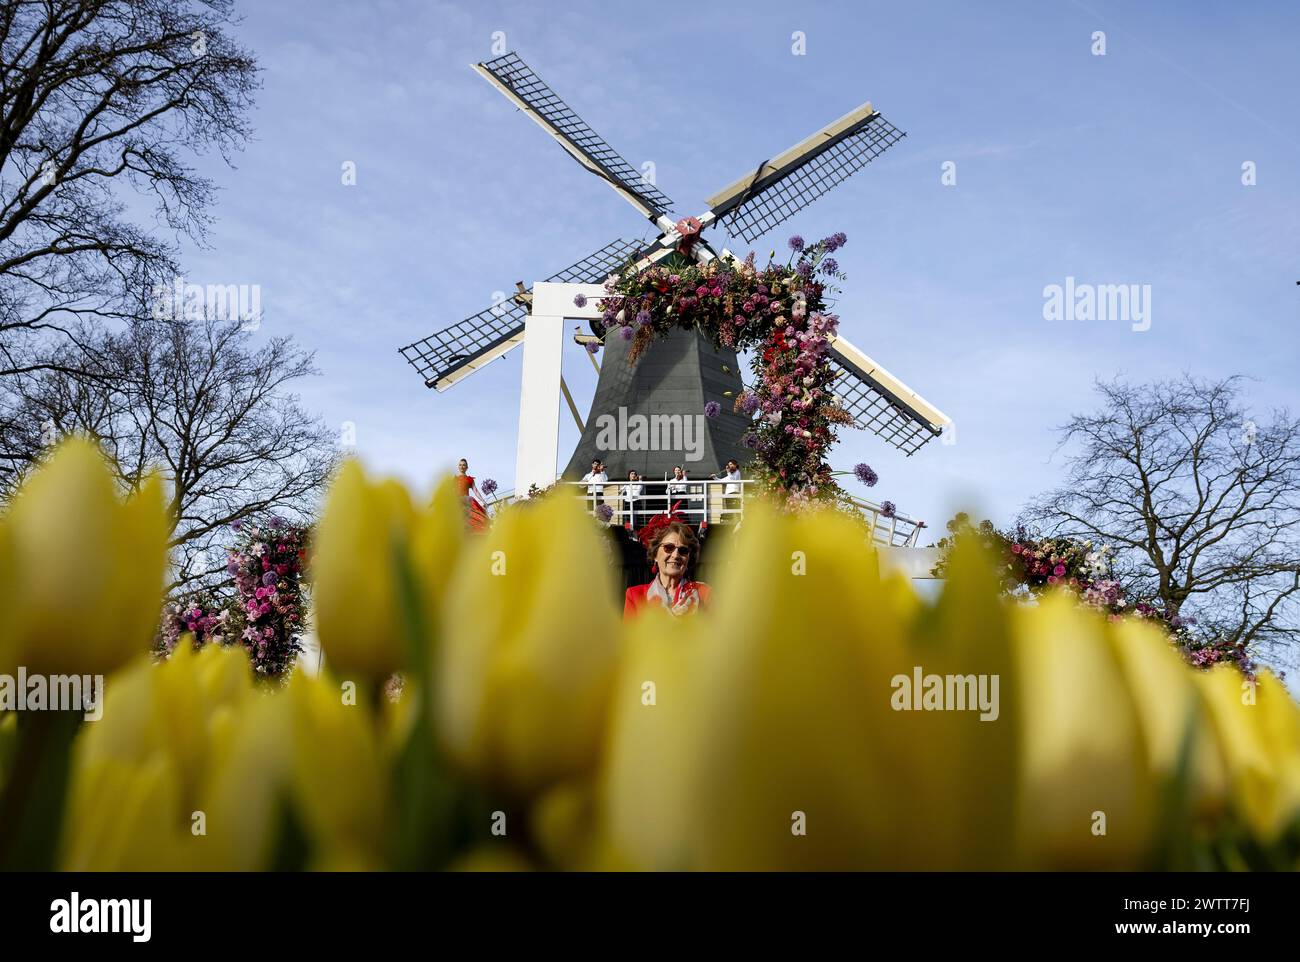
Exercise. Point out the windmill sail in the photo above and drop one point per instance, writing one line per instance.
(881, 403)
(789, 182)
(527, 91)
(454, 353)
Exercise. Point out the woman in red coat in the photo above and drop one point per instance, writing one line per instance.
(670, 545)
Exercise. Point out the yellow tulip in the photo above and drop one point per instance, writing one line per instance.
(81, 571)
(138, 774)
(437, 542)
(527, 648)
(492, 858)
(1172, 714)
(647, 781)
(1088, 792)
(245, 794)
(1258, 730)
(337, 773)
(965, 765)
(1279, 722)
(8, 742)
(363, 528)
(303, 753)
(192, 766)
(784, 751)
(562, 824)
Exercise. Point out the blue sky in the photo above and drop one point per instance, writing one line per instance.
(1123, 168)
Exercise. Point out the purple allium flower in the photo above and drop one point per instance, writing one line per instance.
(805, 269)
(268, 579)
(592, 347)
(489, 487)
(749, 403)
(277, 521)
(796, 243)
(712, 409)
(236, 526)
(604, 512)
(579, 300)
(866, 475)
(643, 318)
(749, 440)
(888, 509)
(841, 238)
(625, 332)
(830, 265)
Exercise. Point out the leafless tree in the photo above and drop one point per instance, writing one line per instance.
(196, 401)
(103, 103)
(1201, 503)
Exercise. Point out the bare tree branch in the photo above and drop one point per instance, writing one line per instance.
(1203, 503)
(101, 100)
(194, 400)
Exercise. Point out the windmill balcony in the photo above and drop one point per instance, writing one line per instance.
(707, 502)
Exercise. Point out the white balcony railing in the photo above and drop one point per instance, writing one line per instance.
(707, 501)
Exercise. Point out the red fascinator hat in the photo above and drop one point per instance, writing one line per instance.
(658, 523)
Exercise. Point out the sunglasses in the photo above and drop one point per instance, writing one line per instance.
(680, 549)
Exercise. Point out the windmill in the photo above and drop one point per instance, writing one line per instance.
(690, 369)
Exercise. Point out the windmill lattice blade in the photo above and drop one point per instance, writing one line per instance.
(488, 334)
(880, 403)
(520, 79)
(771, 196)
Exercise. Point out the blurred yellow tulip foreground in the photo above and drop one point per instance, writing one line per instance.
(819, 716)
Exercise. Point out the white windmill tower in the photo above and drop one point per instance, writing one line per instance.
(755, 204)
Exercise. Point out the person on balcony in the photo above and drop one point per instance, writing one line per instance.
(476, 515)
(730, 493)
(596, 479)
(679, 487)
(631, 496)
(671, 546)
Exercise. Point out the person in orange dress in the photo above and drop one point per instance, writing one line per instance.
(670, 545)
(476, 515)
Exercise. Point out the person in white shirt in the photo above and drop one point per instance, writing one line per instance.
(732, 475)
(596, 478)
(732, 490)
(677, 488)
(631, 494)
(680, 488)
